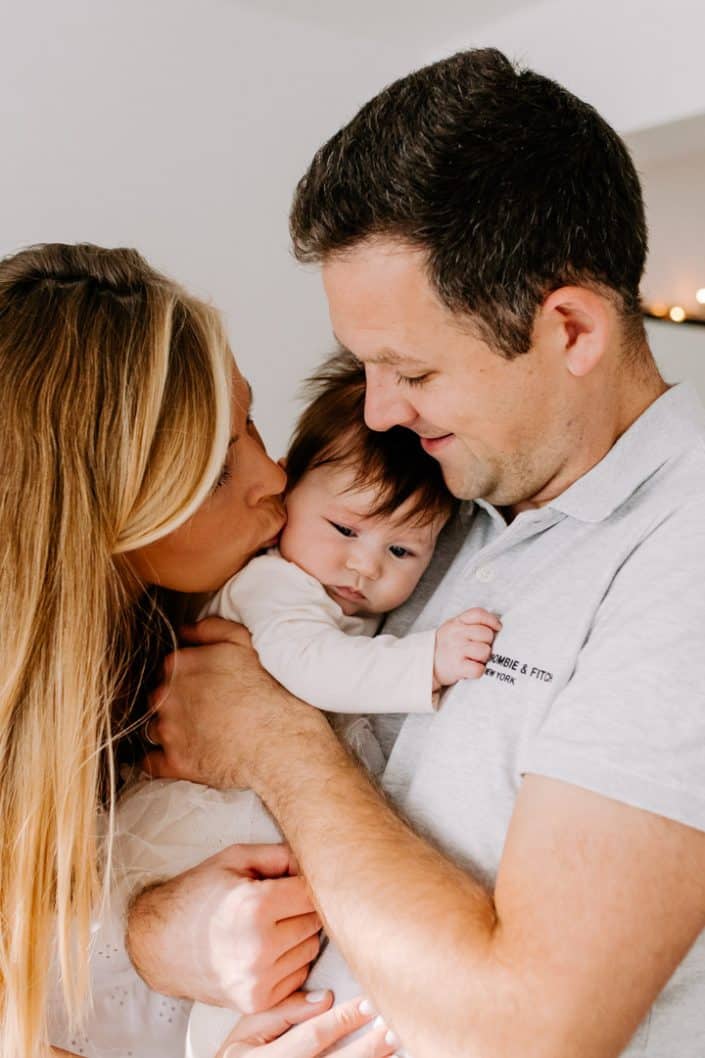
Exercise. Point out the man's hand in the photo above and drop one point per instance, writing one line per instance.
(239, 930)
(217, 710)
(464, 646)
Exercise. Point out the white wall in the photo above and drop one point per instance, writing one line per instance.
(673, 192)
(679, 350)
(181, 127)
(640, 62)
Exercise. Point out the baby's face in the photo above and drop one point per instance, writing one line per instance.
(367, 565)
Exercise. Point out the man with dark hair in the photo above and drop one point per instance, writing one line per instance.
(482, 239)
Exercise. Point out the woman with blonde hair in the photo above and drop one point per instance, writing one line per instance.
(124, 422)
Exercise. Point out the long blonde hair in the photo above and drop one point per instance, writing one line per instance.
(114, 423)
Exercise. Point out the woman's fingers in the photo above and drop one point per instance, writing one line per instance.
(310, 1032)
(314, 1037)
(373, 1044)
(253, 1030)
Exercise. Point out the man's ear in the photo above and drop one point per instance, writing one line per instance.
(282, 463)
(582, 322)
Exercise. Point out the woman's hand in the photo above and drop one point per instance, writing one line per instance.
(218, 713)
(238, 930)
(271, 1035)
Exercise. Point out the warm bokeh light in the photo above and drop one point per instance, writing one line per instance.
(659, 309)
(677, 314)
(700, 296)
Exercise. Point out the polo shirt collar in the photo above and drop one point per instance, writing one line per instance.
(672, 424)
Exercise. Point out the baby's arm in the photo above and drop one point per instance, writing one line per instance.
(463, 647)
(296, 630)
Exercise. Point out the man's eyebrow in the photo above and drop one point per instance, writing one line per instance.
(384, 356)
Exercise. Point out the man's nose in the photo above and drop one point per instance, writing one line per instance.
(385, 405)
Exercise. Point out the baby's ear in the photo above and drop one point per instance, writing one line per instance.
(282, 462)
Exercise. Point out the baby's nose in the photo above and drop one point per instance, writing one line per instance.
(364, 564)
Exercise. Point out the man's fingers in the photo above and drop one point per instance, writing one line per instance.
(292, 931)
(212, 654)
(285, 987)
(254, 1029)
(302, 955)
(287, 897)
(273, 861)
(214, 630)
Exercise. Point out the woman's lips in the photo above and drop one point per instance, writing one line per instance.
(280, 521)
(434, 444)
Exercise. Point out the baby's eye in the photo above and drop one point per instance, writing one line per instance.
(400, 552)
(344, 530)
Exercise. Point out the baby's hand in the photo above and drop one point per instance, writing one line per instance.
(464, 646)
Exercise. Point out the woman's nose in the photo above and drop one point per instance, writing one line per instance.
(269, 478)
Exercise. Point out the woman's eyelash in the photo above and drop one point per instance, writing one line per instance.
(225, 475)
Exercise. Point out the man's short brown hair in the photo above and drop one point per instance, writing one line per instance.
(332, 429)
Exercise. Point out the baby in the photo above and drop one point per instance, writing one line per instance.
(364, 513)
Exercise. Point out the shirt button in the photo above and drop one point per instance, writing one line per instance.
(484, 574)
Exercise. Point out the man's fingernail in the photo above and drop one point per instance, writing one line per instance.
(316, 997)
(365, 1007)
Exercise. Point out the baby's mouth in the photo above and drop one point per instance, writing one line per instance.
(348, 593)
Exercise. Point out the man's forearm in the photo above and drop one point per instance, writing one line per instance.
(594, 905)
(414, 928)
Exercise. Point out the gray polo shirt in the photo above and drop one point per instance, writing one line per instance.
(597, 677)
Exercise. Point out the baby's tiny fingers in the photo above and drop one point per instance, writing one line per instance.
(472, 670)
(480, 616)
(480, 633)
(478, 652)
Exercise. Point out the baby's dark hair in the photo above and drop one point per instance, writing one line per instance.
(332, 429)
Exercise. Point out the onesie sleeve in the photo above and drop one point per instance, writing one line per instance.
(308, 644)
